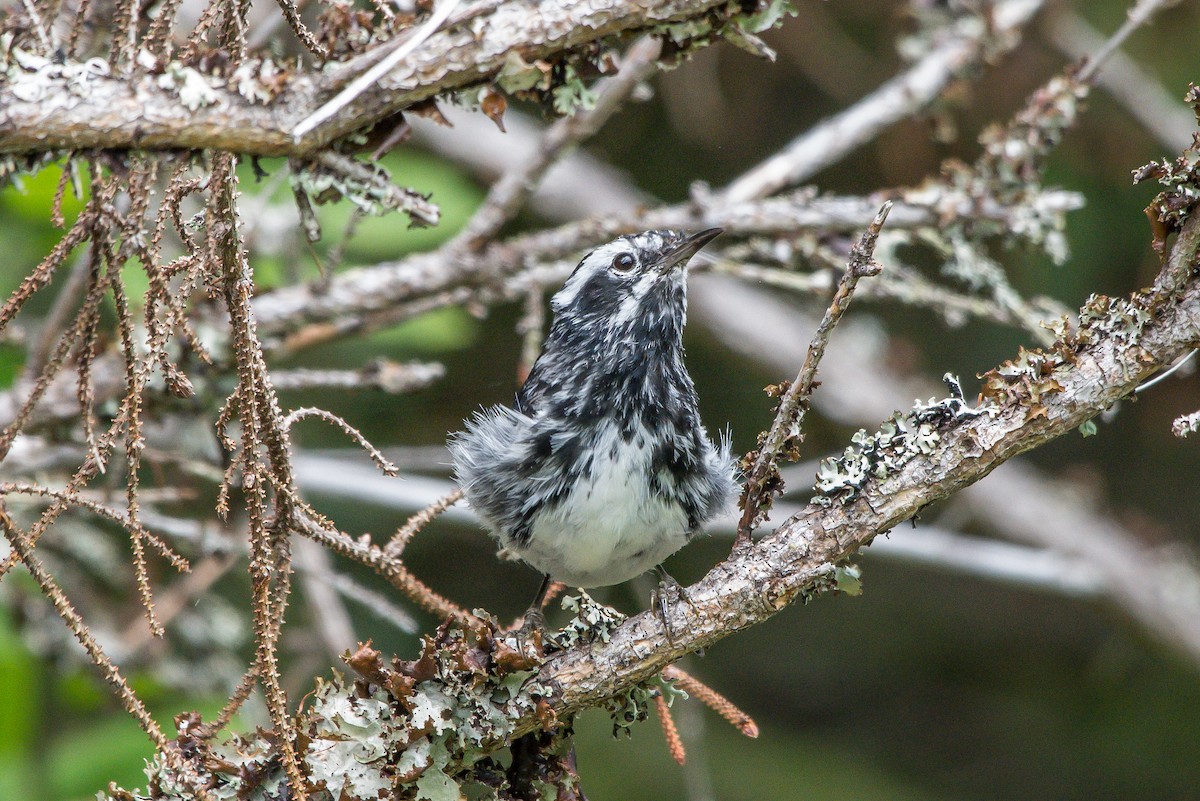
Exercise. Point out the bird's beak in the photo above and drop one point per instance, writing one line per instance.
(678, 256)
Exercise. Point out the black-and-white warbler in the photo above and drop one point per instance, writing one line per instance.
(602, 469)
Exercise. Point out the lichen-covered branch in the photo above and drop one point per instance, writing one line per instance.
(49, 107)
(783, 439)
(388, 725)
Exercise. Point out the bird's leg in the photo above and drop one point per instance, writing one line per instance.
(535, 619)
(659, 599)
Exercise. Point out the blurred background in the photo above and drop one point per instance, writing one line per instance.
(1025, 671)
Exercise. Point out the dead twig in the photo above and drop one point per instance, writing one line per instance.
(784, 437)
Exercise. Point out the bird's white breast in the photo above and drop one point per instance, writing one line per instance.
(611, 527)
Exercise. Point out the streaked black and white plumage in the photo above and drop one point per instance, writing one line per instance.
(603, 469)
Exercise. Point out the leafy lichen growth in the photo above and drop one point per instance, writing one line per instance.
(633, 705)
(1010, 171)
(1181, 184)
(33, 78)
(194, 89)
(572, 94)
(883, 453)
(1186, 424)
(368, 187)
(1036, 373)
(592, 622)
(421, 729)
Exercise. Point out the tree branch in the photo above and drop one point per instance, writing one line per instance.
(793, 402)
(391, 286)
(900, 97)
(209, 112)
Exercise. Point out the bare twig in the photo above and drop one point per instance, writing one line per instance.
(64, 303)
(1138, 91)
(898, 98)
(1165, 374)
(262, 429)
(397, 290)
(532, 329)
(176, 598)
(108, 669)
(329, 614)
(377, 602)
(1139, 15)
(38, 26)
(291, 13)
(793, 403)
(394, 378)
(401, 538)
(377, 457)
(930, 545)
(389, 568)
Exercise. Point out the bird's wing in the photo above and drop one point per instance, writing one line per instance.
(532, 396)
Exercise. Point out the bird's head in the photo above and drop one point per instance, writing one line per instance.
(639, 278)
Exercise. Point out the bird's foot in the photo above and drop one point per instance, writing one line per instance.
(661, 601)
(532, 632)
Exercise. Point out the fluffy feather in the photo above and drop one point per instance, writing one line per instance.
(602, 469)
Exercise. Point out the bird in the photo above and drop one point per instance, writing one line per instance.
(601, 468)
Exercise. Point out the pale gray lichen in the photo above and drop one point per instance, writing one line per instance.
(33, 78)
(420, 730)
(883, 453)
(1008, 176)
(633, 705)
(257, 80)
(1187, 424)
(1123, 319)
(939, 22)
(352, 737)
(369, 187)
(1180, 179)
(191, 86)
(592, 622)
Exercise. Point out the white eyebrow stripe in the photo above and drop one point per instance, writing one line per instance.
(599, 259)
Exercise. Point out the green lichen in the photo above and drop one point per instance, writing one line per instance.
(518, 75)
(572, 94)
(633, 704)
(368, 187)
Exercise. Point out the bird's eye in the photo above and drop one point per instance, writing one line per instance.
(623, 263)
